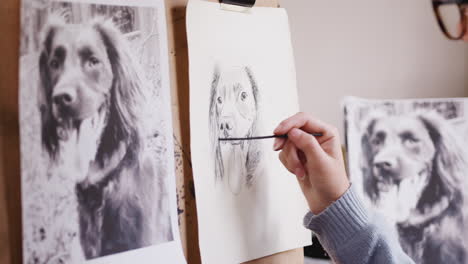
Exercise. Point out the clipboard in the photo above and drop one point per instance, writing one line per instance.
(178, 61)
(10, 180)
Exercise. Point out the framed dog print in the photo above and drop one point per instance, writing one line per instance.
(97, 162)
(409, 160)
(242, 84)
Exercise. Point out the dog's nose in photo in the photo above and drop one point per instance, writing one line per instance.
(385, 166)
(64, 99)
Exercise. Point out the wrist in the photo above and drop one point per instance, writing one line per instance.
(318, 208)
(324, 200)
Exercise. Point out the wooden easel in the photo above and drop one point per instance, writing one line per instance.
(10, 195)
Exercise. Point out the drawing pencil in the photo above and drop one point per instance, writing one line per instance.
(264, 137)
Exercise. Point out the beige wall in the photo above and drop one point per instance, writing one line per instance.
(369, 48)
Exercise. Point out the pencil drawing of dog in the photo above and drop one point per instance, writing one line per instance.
(92, 94)
(233, 113)
(414, 171)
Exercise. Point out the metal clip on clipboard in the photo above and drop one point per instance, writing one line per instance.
(237, 5)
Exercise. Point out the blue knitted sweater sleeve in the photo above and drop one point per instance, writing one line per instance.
(352, 234)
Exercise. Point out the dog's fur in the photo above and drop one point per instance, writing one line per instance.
(233, 112)
(88, 76)
(416, 163)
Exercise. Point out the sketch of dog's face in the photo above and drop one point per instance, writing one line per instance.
(401, 148)
(80, 74)
(235, 105)
(233, 114)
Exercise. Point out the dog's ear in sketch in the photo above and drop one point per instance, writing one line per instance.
(449, 167)
(49, 136)
(253, 153)
(213, 125)
(127, 100)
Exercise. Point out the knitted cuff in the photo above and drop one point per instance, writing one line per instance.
(340, 221)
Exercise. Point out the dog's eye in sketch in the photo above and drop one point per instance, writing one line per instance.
(54, 64)
(243, 96)
(220, 100)
(93, 61)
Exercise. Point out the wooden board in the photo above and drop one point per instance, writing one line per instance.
(10, 203)
(10, 220)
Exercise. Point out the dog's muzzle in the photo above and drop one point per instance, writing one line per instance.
(65, 102)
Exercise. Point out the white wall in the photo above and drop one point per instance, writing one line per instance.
(371, 48)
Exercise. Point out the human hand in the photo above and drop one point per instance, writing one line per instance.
(316, 161)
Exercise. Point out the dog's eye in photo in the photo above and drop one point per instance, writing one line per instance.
(93, 61)
(219, 100)
(409, 139)
(243, 96)
(378, 139)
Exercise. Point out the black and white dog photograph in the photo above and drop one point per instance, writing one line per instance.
(95, 131)
(409, 160)
(233, 114)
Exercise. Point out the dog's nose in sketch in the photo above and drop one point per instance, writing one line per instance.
(64, 99)
(226, 125)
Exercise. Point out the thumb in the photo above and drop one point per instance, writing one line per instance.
(306, 143)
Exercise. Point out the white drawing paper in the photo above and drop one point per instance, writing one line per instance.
(242, 84)
(408, 159)
(98, 183)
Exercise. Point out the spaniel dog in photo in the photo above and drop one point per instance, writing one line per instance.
(233, 113)
(92, 96)
(414, 174)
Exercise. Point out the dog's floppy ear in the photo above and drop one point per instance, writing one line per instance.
(367, 156)
(450, 161)
(214, 125)
(368, 126)
(253, 84)
(128, 103)
(256, 96)
(44, 94)
(253, 152)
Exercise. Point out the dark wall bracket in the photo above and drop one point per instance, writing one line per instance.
(244, 3)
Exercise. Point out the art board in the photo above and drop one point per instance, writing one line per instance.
(97, 158)
(408, 160)
(242, 84)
